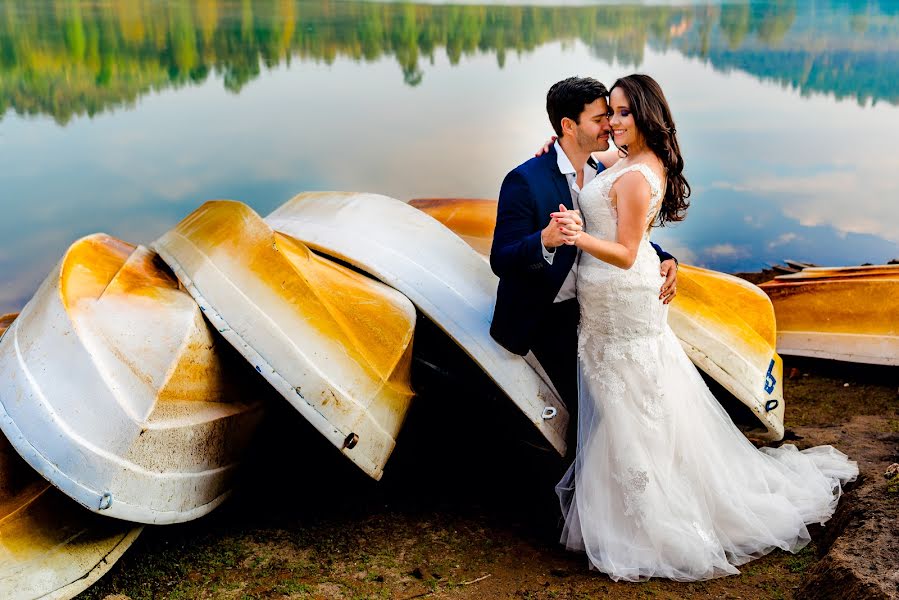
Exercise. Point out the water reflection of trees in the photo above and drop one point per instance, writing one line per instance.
(66, 57)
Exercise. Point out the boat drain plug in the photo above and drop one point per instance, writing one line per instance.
(105, 500)
(350, 442)
(549, 412)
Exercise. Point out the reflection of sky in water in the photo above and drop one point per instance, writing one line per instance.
(775, 174)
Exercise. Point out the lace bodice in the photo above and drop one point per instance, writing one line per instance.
(600, 216)
(620, 308)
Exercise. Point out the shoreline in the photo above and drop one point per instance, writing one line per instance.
(467, 510)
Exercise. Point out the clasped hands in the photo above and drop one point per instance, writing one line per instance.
(565, 228)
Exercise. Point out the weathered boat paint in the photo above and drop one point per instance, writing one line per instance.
(840, 313)
(335, 343)
(6, 320)
(449, 282)
(115, 390)
(725, 324)
(472, 219)
(49, 546)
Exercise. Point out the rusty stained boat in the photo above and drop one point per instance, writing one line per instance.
(49, 546)
(839, 313)
(725, 324)
(6, 320)
(448, 281)
(335, 343)
(114, 389)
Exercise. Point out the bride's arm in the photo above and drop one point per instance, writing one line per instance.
(633, 205)
(607, 157)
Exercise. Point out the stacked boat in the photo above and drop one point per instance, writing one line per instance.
(133, 382)
(830, 312)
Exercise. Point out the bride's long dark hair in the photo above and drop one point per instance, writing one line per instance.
(654, 121)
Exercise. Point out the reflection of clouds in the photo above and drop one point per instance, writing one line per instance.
(682, 253)
(753, 221)
(725, 251)
(850, 201)
(782, 239)
(821, 162)
(763, 161)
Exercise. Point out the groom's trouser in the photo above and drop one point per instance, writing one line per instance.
(555, 346)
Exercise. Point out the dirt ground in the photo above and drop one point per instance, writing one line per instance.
(466, 507)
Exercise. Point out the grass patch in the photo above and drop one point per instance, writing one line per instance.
(893, 484)
(802, 560)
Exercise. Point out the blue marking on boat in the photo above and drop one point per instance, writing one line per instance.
(769, 378)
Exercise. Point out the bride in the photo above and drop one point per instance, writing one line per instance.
(663, 484)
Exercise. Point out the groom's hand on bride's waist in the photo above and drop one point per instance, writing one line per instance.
(668, 270)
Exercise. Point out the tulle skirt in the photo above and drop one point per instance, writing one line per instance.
(664, 485)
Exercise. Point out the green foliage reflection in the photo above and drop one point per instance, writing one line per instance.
(70, 57)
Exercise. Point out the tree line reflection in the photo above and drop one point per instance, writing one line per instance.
(71, 57)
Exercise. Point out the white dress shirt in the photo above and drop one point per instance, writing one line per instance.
(567, 291)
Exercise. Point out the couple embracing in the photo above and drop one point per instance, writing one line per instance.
(662, 484)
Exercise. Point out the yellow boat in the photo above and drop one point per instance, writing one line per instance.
(472, 219)
(725, 324)
(335, 343)
(115, 390)
(840, 313)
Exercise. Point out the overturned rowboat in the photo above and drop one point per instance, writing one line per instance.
(335, 343)
(725, 324)
(840, 313)
(449, 282)
(114, 389)
(49, 546)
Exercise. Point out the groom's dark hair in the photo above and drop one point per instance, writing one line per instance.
(568, 98)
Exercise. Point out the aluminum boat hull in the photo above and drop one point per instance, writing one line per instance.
(113, 388)
(335, 343)
(448, 281)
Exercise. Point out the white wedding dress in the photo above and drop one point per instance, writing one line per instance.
(663, 484)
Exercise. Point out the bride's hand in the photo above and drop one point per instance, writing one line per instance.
(569, 223)
(546, 146)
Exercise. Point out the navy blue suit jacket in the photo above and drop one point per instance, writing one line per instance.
(527, 283)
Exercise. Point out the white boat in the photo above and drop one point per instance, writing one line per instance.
(725, 324)
(335, 343)
(114, 389)
(49, 546)
(447, 280)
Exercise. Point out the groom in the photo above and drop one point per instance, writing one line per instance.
(536, 305)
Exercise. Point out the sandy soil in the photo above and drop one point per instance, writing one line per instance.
(466, 507)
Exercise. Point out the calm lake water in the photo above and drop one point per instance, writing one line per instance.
(122, 116)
